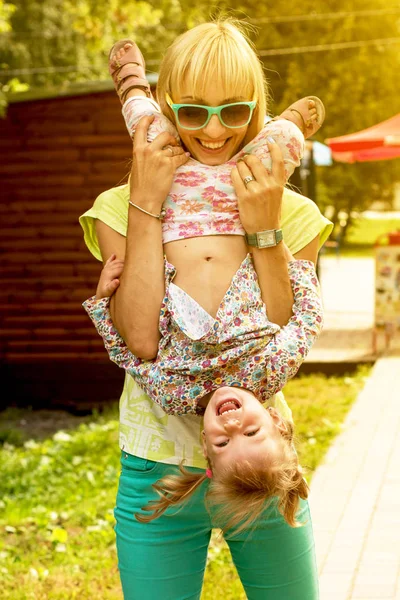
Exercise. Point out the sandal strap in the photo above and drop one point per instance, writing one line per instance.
(129, 72)
(131, 82)
(305, 125)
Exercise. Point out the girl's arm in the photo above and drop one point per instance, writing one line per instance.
(260, 209)
(99, 312)
(147, 373)
(288, 348)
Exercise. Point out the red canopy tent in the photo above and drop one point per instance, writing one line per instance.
(380, 142)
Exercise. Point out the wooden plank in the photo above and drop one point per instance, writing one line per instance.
(48, 231)
(30, 296)
(41, 308)
(91, 269)
(43, 244)
(35, 346)
(34, 156)
(51, 282)
(40, 168)
(23, 219)
(46, 357)
(51, 180)
(61, 334)
(51, 200)
(44, 128)
(48, 321)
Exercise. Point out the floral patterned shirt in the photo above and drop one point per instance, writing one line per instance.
(240, 347)
(202, 200)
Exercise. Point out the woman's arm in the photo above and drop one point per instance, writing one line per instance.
(260, 209)
(135, 306)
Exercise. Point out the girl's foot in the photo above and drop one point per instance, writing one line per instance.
(308, 114)
(127, 69)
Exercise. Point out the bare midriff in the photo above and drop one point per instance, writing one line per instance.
(205, 266)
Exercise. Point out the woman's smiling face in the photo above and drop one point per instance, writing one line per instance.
(214, 144)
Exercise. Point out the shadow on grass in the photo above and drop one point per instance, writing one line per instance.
(17, 425)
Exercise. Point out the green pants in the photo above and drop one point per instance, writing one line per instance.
(166, 558)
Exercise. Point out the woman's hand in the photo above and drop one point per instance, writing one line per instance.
(153, 166)
(260, 205)
(260, 201)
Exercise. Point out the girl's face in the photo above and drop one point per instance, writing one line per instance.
(237, 427)
(214, 144)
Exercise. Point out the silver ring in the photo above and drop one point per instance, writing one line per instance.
(170, 149)
(247, 179)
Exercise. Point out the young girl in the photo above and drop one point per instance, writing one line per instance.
(224, 368)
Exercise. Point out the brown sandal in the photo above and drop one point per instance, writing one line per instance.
(309, 126)
(128, 72)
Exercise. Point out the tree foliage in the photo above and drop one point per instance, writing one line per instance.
(56, 42)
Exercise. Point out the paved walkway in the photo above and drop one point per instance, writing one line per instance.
(355, 493)
(348, 293)
(355, 496)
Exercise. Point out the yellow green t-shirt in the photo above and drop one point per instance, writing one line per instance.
(145, 429)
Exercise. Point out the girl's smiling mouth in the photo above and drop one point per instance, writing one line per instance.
(227, 405)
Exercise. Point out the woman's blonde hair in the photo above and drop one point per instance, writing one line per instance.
(214, 54)
(240, 492)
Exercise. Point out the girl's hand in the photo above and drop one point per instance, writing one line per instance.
(260, 202)
(153, 166)
(109, 275)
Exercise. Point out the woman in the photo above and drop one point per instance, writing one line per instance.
(167, 557)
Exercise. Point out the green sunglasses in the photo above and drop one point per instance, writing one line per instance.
(197, 116)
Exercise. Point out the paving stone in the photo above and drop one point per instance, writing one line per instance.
(358, 531)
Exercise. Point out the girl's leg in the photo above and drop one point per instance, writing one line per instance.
(165, 558)
(276, 561)
(136, 107)
(137, 101)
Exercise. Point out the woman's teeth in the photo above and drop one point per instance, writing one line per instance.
(213, 145)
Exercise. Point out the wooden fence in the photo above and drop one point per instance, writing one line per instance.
(56, 155)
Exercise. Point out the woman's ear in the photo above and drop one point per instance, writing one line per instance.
(204, 444)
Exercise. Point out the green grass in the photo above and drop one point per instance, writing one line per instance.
(362, 235)
(57, 496)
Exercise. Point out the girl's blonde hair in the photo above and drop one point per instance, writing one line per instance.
(217, 54)
(240, 492)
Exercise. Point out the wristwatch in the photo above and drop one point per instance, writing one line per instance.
(264, 239)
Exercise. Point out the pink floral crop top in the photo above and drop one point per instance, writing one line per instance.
(202, 200)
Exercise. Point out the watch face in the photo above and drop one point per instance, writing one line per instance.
(265, 239)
